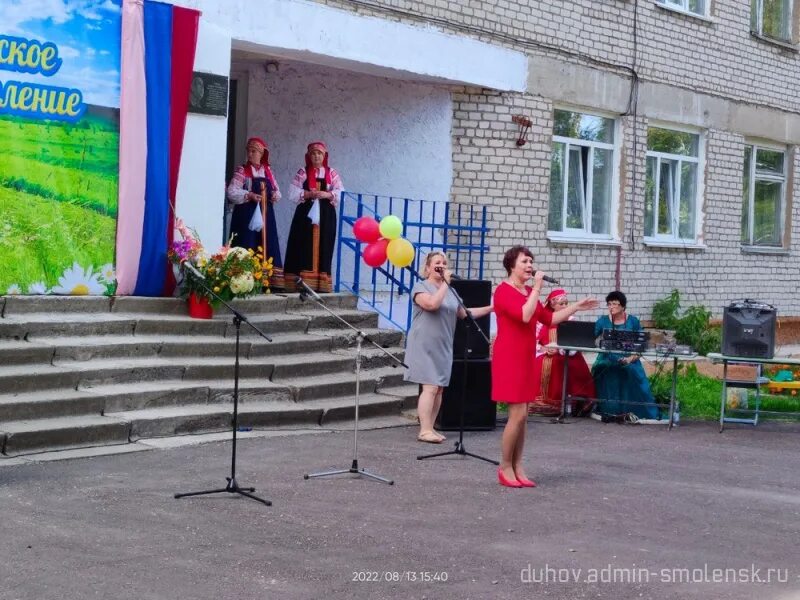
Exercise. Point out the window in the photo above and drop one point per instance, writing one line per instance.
(697, 7)
(772, 18)
(581, 175)
(672, 199)
(763, 196)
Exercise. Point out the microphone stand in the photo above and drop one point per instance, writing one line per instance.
(233, 486)
(459, 445)
(306, 292)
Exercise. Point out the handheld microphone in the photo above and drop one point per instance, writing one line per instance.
(548, 279)
(192, 269)
(453, 276)
(307, 290)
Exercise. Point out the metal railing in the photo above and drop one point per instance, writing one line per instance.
(458, 230)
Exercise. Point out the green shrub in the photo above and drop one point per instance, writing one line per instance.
(708, 340)
(665, 312)
(693, 328)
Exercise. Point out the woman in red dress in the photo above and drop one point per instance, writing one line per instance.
(549, 373)
(518, 309)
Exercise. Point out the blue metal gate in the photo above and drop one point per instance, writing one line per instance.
(459, 230)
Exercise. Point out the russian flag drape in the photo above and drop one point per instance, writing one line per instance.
(158, 48)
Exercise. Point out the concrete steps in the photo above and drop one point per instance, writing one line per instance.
(181, 420)
(33, 326)
(46, 404)
(24, 353)
(77, 372)
(84, 348)
(20, 437)
(180, 411)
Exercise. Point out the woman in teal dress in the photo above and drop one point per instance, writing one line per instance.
(621, 383)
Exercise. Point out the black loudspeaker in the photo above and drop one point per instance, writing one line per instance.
(748, 329)
(474, 292)
(479, 410)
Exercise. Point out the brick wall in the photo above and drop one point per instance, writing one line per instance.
(717, 57)
(514, 182)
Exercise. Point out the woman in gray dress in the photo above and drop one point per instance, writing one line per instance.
(429, 346)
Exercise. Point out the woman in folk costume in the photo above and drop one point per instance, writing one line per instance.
(252, 191)
(548, 374)
(309, 252)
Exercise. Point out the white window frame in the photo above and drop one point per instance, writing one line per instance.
(759, 22)
(572, 234)
(659, 239)
(755, 147)
(683, 6)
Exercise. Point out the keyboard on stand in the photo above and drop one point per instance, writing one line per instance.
(621, 340)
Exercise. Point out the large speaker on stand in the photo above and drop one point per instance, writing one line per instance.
(748, 329)
(470, 354)
(479, 410)
(474, 292)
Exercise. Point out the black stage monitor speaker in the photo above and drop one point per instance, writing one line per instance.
(479, 410)
(748, 329)
(474, 292)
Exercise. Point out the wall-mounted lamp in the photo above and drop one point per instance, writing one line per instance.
(524, 124)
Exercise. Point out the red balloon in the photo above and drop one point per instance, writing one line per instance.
(375, 254)
(367, 230)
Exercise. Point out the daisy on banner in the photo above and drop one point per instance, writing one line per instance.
(77, 281)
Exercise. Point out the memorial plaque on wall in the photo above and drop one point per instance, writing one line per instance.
(209, 94)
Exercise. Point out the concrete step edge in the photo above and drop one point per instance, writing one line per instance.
(58, 423)
(248, 407)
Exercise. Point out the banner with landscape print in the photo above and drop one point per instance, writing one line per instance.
(59, 145)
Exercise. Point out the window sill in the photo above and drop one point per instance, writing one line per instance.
(775, 250)
(686, 13)
(780, 43)
(654, 243)
(559, 238)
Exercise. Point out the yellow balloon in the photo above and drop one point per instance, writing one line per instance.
(400, 252)
(391, 227)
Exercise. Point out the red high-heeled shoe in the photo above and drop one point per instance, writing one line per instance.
(525, 482)
(513, 483)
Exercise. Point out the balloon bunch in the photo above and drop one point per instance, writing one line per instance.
(383, 241)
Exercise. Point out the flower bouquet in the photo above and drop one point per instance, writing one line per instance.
(238, 273)
(231, 272)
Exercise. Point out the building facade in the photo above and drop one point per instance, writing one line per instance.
(661, 151)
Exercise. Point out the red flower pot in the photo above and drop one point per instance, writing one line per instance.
(200, 307)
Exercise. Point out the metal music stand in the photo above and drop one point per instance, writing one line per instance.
(233, 486)
(307, 292)
(459, 444)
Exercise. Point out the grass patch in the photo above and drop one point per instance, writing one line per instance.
(40, 238)
(58, 196)
(78, 164)
(700, 395)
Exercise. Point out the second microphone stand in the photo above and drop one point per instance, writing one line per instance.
(306, 292)
(459, 445)
(233, 486)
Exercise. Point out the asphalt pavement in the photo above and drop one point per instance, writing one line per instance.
(621, 511)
